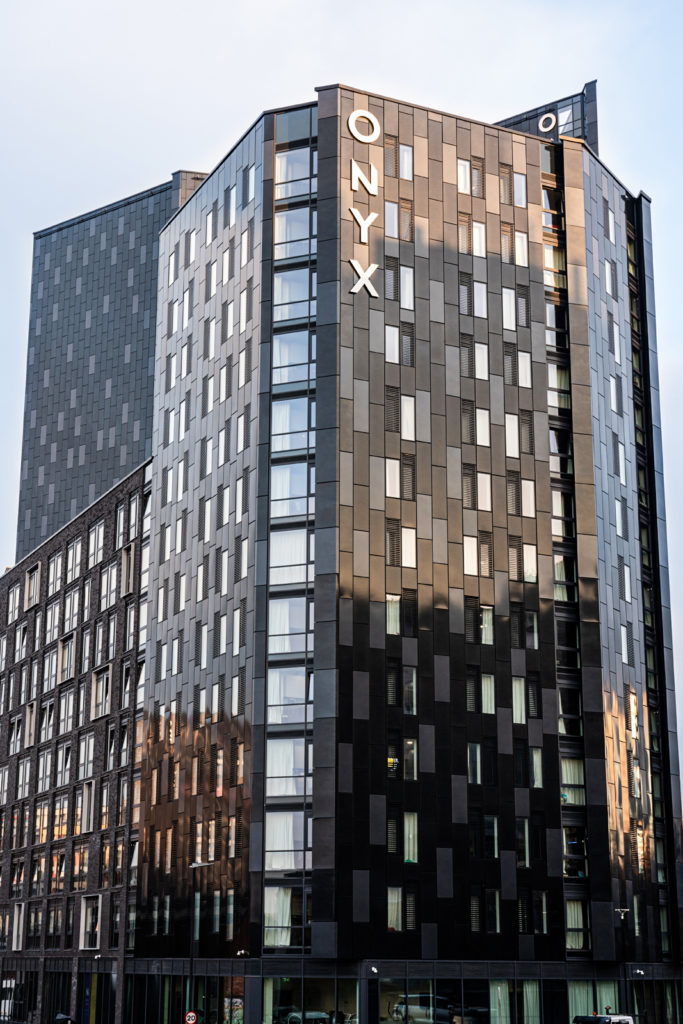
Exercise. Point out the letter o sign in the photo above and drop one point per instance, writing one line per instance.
(547, 122)
(364, 115)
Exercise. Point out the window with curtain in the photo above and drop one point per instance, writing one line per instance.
(289, 489)
(287, 693)
(531, 1003)
(293, 173)
(581, 1000)
(487, 624)
(519, 700)
(572, 781)
(393, 606)
(288, 556)
(291, 356)
(394, 908)
(285, 766)
(287, 625)
(290, 424)
(277, 916)
(293, 291)
(488, 694)
(292, 233)
(501, 995)
(284, 840)
(577, 934)
(607, 994)
(410, 837)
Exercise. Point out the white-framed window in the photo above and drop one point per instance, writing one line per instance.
(108, 579)
(95, 543)
(86, 751)
(54, 573)
(73, 560)
(13, 603)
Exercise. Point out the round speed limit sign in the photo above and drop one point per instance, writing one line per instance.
(190, 1017)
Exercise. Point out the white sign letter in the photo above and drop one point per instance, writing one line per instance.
(364, 278)
(358, 178)
(366, 116)
(363, 223)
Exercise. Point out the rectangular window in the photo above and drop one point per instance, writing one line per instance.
(483, 429)
(521, 249)
(478, 178)
(405, 162)
(520, 189)
(464, 178)
(505, 181)
(478, 238)
(391, 219)
(480, 300)
(511, 436)
(394, 909)
(408, 417)
(509, 309)
(465, 234)
(407, 288)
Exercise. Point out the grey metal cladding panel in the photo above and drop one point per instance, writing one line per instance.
(89, 380)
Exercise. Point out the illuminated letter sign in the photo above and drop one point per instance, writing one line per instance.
(371, 186)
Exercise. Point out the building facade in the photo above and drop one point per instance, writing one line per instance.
(72, 689)
(408, 722)
(90, 368)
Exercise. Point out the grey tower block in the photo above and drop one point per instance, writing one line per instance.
(90, 365)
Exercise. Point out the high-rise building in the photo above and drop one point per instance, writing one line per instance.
(90, 367)
(405, 742)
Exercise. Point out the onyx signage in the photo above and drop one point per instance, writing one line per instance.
(359, 122)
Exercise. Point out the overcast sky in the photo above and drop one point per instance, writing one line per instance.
(101, 100)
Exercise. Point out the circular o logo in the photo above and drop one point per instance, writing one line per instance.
(547, 122)
(190, 1017)
(364, 115)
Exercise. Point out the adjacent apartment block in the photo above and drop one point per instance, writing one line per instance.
(72, 692)
(405, 740)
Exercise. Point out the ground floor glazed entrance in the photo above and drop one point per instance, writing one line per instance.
(282, 990)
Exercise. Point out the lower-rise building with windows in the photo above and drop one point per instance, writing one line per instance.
(405, 741)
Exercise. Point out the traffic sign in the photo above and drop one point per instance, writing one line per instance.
(190, 1017)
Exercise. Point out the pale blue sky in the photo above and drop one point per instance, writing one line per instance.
(104, 100)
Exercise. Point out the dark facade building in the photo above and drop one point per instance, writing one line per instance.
(90, 367)
(408, 724)
(72, 686)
